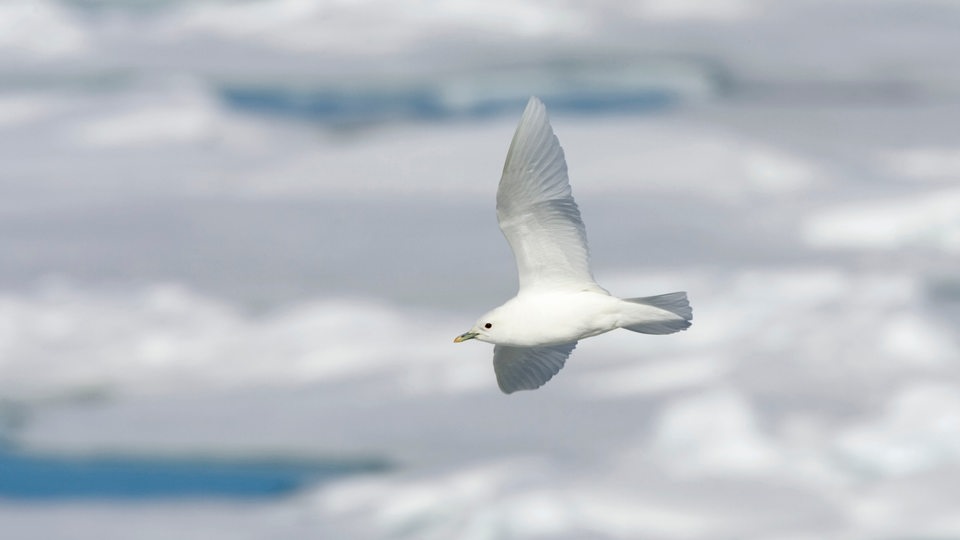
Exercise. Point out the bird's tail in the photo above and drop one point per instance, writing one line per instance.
(661, 314)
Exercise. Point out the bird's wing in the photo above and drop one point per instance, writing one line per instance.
(536, 210)
(528, 368)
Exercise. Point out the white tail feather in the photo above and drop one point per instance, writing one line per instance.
(672, 314)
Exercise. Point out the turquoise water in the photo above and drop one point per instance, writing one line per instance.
(335, 107)
(52, 477)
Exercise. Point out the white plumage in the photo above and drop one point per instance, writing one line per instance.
(558, 302)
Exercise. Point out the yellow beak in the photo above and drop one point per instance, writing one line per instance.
(463, 337)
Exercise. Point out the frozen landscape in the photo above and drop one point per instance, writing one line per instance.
(238, 239)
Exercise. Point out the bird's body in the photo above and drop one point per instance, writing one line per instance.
(555, 317)
(558, 303)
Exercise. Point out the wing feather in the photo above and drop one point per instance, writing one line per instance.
(536, 210)
(528, 368)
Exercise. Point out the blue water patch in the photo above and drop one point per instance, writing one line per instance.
(53, 477)
(345, 107)
(567, 84)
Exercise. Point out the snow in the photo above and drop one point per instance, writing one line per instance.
(918, 432)
(332, 27)
(929, 221)
(937, 164)
(186, 276)
(41, 29)
(778, 426)
(61, 340)
(684, 10)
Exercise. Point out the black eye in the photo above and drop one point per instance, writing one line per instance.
(488, 325)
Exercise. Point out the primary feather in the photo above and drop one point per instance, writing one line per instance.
(536, 210)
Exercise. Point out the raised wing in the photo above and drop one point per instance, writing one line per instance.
(536, 209)
(528, 368)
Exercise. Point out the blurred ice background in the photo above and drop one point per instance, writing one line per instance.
(237, 238)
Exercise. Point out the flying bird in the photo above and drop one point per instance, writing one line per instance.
(558, 302)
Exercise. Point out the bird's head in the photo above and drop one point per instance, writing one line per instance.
(488, 328)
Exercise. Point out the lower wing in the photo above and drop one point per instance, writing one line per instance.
(528, 368)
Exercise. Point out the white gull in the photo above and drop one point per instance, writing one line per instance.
(558, 302)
